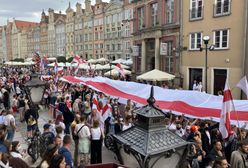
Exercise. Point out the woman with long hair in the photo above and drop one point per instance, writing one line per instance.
(58, 161)
(97, 135)
(47, 156)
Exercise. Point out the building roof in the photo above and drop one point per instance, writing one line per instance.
(150, 142)
(21, 24)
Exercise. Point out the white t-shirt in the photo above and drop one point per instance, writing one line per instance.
(84, 132)
(96, 133)
(9, 118)
(16, 155)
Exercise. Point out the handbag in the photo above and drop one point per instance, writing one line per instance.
(76, 137)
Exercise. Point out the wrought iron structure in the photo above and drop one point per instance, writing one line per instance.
(34, 89)
(149, 140)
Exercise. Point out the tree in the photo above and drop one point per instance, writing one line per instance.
(69, 59)
(61, 59)
(18, 60)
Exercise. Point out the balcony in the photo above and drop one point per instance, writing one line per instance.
(196, 14)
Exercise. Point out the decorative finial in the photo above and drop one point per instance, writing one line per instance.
(151, 100)
(69, 4)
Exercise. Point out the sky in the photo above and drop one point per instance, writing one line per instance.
(30, 10)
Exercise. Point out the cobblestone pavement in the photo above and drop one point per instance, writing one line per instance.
(44, 117)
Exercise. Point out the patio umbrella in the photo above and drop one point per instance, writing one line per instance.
(107, 67)
(118, 61)
(156, 75)
(128, 62)
(92, 61)
(100, 60)
(115, 72)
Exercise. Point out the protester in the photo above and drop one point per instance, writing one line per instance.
(83, 133)
(11, 126)
(51, 150)
(97, 136)
(65, 150)
(58, 161)
(239, 157)
(16, 147)
(47, 135)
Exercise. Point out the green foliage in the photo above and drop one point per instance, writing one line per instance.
(69, 59)
(61, 59)
(18, 60)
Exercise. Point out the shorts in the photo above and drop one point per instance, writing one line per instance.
(31, 127)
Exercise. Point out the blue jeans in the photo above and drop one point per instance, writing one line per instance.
(10, 134)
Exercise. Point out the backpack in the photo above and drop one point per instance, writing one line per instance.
(47, 138)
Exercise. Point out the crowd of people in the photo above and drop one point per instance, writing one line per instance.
(82, 117)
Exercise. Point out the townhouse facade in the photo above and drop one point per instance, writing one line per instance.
(24, 42)
(127, 29)
(17, 40)
(69, 29)
(44, 33)
(78, 30)
(113, 30)
(4, 44)
(1, 44)
(9, 40)
(98, 30)
(157, 23)
(60, 35)
(88, 20)
(221, 25)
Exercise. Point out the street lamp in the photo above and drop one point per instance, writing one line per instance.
(34, 89)
(206, 41)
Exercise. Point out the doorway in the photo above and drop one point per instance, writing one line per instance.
(219, 80)
(194, 74)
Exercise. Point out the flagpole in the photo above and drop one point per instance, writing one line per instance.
(236, 114)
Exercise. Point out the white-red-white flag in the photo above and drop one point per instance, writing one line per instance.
(227, 108)
(95, 104)
(243, 85)
(120, 70)
(106, 110)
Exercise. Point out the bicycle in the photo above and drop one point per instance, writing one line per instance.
(36, 147)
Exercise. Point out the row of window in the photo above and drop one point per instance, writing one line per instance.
(154, 14)
(220, 39)
(220, 8)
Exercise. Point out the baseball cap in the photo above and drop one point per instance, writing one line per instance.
(46, 126)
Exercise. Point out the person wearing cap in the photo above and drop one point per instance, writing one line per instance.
(48, 135)
(239, 157)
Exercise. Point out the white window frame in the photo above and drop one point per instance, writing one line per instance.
(222, 8)
(154, 13)
(141, 18)
(221, 39)
(170, 4)
(195, 40)
(196, 7)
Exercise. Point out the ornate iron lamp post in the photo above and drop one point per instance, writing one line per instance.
(149, 143)
(34, 89)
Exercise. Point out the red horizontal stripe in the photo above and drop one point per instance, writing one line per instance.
(179, 106)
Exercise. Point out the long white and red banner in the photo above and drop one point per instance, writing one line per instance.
(192, 103)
